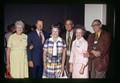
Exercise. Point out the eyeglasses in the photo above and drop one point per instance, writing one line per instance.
(68, 24)
(95, 25)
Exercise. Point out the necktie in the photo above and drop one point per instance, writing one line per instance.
(41, 36)
(96, 36)
(69, 41)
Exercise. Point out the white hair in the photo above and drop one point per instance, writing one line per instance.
(19, 23)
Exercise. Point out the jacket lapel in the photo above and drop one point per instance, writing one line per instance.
(37, 36)
(100, 40)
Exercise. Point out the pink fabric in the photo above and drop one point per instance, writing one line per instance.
(76, 69)
(76, 58)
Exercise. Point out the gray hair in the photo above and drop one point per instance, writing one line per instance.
(78, 26)
(19, 23)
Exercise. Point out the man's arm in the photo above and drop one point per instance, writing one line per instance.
(29, 41)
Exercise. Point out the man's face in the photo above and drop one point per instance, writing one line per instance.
(39, 25)
(69, 25)
(96, 26)
(13, 29)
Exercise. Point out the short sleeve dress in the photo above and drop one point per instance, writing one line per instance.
(54, 57)
(18, 56)
(77, 59)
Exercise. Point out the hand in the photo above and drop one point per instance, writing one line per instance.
(86, 54)
(30, 63)
(71, 68)
(81, 71)
(7, 72)
(62, 71)
(31, 47)
(58, 73)
(96, 53)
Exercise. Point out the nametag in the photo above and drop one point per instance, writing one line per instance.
(95, 42)
(78, 44)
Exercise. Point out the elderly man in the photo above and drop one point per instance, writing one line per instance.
(98, 50)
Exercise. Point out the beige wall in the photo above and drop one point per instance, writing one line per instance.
(94, 11)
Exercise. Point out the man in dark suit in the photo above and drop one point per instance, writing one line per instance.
(68, 36)
(35, 50)
(98, 50)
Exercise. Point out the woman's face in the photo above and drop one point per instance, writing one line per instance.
(79, 33)
(55, 32)
(19, 29)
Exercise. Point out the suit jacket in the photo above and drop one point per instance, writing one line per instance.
(36, 53)
(63, 35)
(103, 45)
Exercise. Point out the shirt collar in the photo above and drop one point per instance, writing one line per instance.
(38, 31)
(79, 39)
(58, 39)
(70, 31)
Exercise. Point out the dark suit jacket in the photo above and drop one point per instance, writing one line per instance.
(36, 53)
(63, 35)
(103, 45)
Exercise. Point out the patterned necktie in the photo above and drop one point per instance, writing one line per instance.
(69, 40)
(40, 35)
(96, 36)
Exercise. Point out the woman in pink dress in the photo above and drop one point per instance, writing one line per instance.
(78, 63)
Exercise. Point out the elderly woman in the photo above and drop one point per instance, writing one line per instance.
(78, 63)
(16, 53)
(54, 55)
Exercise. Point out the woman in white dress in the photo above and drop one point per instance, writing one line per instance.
(78, 63)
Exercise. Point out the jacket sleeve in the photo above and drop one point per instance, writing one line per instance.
(105, 45)
(72, 54)
(29, 41)
(90, 43)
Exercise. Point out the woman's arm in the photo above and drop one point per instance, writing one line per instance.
(44, 59)
(82, 69)
(63, 58)
(85, 59)
(8, 58)
(45, 47)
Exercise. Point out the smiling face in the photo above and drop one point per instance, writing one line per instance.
(69, 25)
(96, 25)
(55, 32)
(19, 26)
(19, 29)
(39, 25)
(79, 33)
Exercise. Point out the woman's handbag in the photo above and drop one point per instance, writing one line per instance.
(60, 76)
(64, 76)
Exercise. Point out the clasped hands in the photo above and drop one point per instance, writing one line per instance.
(94, 52)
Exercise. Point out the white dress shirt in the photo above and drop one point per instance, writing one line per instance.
(71, 35)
